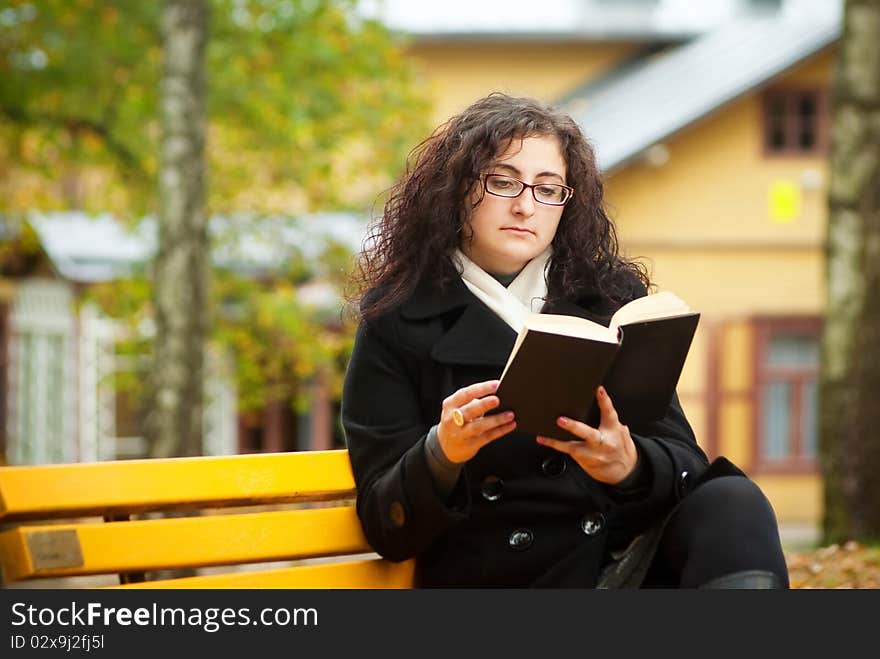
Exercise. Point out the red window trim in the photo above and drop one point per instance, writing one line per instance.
(823, 122)
(766, 327)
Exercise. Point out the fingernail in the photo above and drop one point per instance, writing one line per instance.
(601, 391)
(495, 385)
(508, 415)
(562, 421)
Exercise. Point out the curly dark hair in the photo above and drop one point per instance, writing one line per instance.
(426, 213)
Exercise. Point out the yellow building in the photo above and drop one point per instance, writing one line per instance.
(714, 151)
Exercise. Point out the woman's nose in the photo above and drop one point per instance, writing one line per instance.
(524, 204)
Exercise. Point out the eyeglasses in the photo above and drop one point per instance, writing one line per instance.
(552, 194)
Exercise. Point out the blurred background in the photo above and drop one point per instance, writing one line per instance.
(711, 122)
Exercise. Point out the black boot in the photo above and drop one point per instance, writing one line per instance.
(747, 580)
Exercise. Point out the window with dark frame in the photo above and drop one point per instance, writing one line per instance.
(786, 394)
(795, 122)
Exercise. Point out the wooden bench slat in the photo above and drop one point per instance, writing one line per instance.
(136, 546)
(132, 486)
(374, 573)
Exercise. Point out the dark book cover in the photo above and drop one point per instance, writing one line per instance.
(555, 375)
(642, 379)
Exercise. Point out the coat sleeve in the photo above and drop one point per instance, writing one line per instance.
(400, 510)
(673, 461)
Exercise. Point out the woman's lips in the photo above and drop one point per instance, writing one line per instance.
(519, 231)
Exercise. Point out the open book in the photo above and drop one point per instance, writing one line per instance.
(558, 362)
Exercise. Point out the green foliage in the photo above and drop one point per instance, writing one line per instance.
(279, 342)
(309, 106)
(308, 94)
(19, 247)
(78, 102)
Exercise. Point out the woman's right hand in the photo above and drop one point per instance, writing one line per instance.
(461, 443)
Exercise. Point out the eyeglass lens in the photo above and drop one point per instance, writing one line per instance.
(507, 186)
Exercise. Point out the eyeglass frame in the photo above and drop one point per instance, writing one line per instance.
(530, 186)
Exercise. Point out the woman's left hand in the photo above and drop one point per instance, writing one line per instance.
(607, 453)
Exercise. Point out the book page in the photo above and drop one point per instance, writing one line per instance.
(570, 326)
(657, 305)
(565, 325)
(519, 340)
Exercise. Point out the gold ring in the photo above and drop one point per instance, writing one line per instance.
(457, 417)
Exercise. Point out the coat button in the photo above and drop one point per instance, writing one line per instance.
(684, 482)
(396, 514)
(492, 488)
(592, 523)
(553, 466)
(520, 539)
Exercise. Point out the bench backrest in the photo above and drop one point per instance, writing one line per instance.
(141, 518)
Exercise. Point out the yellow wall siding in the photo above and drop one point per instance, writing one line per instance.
(696, 413)
(815, 72)
(737, 358)
(795, 498)
(739, 281)
(692, 386)
(735, 430)
(736, 416)
(460, 73)
(716, 189)
(693, 380)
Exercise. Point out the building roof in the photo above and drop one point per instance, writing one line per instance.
(648, 103)
(560, 20)
(88, 249)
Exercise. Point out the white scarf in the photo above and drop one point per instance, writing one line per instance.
(524, 295)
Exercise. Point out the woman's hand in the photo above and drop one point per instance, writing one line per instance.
(467, 406)
(607, 453)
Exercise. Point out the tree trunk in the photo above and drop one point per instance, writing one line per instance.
(850, 380)
(181, 266)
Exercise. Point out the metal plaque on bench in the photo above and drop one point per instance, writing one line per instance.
(54, 549)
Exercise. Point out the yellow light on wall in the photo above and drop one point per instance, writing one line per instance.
(784, 201)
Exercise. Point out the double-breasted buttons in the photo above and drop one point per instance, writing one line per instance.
(396, 514)
(553, 465)
(520, 539)
(684, 483)
(492, 488)
(592, 523)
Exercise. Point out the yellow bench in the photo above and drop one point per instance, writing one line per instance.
(106, 518)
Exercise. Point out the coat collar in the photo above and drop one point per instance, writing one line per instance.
(477, 336)
(427, 302)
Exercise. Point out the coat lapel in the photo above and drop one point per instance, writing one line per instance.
(476, 337)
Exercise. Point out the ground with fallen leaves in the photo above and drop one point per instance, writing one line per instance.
(836, 566)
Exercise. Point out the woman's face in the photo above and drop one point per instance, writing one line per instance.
(508, 232)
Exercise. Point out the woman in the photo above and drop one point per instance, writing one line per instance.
(501, 213)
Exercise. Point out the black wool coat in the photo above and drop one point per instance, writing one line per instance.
(521, 514)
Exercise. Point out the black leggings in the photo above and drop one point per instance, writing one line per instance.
(724, 526)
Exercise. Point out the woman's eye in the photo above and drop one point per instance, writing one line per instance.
(547, 190)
